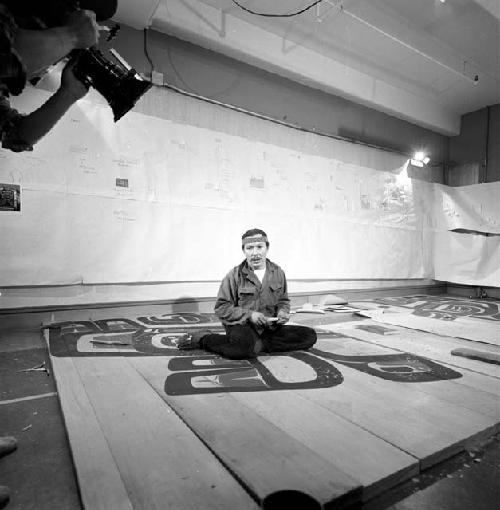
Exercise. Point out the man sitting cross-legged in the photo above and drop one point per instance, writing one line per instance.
(253, 306)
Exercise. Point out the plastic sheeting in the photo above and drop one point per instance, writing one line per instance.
(468, 259)
(474, 208)
(466, 244)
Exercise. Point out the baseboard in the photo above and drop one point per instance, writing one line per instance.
(204, 303)
(473, 291)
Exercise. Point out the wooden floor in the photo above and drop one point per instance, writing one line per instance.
(370, 406)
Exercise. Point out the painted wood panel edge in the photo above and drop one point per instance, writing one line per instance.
(99, 494)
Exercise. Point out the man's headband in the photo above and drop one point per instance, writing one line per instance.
(254, 239)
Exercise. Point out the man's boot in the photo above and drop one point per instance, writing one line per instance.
(192, 340)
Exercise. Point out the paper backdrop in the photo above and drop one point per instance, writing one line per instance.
(151, 200)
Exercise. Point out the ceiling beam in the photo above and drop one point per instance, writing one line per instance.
(213, 29)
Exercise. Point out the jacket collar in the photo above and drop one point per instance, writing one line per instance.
(245, 269)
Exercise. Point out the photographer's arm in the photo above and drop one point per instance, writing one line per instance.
(39, 49)
(25, 130)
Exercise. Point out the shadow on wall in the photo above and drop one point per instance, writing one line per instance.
(185, 304)
(382, 142)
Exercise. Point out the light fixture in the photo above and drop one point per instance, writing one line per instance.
(420, 159)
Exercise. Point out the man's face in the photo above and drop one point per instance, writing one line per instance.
(256, 254)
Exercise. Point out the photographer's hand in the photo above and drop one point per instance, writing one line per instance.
(83, 28)
(71, 84)
(40, 49)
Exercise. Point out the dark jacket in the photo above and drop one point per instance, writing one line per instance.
(241, 293)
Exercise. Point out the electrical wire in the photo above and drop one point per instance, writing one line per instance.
(290, 15)
(274, 120)
(250, 113)
(146, 52)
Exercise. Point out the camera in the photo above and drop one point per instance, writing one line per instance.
(118, 83)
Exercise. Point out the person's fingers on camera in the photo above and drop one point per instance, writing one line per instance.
(71, 84)
(84, 26)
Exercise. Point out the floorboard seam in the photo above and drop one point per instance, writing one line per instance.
(46, 334)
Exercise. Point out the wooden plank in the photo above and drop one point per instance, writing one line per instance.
(437, 305)
(475, 330)
(431, 346)
(472, 391)
(100, 482)
(264, 457)
(421, 424)
(161, 462)
(371, 461)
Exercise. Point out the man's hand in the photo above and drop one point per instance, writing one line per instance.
(283, 317)
(82, 26)
(259, 319)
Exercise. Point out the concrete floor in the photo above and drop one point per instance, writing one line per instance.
(40, 473)
(469, 481)
(41, 476)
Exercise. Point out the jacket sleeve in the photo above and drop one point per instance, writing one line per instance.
(12, 70)
(226, 307)
(12, 81)
(284, 301)
(9, 123)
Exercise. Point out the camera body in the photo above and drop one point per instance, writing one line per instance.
(121, 87)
